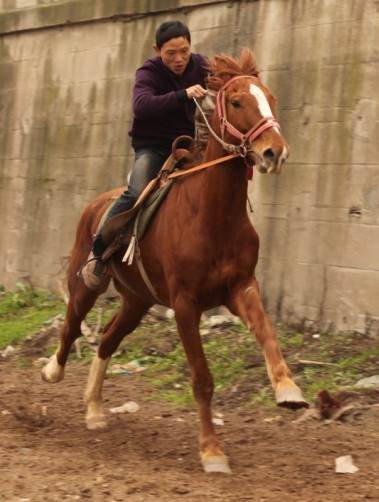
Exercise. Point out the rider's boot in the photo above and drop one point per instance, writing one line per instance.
(93, 272)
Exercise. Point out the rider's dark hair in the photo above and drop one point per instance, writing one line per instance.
(169, 30)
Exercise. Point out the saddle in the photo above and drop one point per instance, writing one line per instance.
(120, 229)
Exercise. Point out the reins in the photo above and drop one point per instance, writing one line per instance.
(203, 166)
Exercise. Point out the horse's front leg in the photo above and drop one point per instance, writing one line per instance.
(247, 304)
(188, 319)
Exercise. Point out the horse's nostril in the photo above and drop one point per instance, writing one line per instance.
(269, 155)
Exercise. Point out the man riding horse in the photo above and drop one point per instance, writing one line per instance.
(163, 109)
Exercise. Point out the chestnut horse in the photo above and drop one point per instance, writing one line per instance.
(199, 252)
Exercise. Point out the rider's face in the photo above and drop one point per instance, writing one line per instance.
(175, 54)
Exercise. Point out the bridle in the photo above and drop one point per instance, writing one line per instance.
(234, 150)
(247, 138)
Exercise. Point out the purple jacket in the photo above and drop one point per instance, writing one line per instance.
(161, 109)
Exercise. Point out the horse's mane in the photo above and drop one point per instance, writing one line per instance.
(223, 67)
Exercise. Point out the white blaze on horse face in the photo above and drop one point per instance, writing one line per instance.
(263, 104)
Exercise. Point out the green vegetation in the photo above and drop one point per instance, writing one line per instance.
(24, 312)
(236, 361)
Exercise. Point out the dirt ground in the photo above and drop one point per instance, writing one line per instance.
(47, 454)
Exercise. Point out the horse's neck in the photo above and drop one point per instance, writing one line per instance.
(224, 185)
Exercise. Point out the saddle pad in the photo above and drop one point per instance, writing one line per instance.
(149, 207)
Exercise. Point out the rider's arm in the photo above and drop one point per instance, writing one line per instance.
(146, 100)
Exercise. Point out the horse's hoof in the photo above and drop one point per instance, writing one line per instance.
(94, 423)
(52, 372)
(216, 464)
(290, 397)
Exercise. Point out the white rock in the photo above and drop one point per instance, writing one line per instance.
(170, 314)
(8, 351)
(372, 381)
(344, 465)
(129, 407)
(219, 320)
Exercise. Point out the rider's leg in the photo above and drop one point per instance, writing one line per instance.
(147, 164)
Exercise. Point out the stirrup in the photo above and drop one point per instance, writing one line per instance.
(114, 246)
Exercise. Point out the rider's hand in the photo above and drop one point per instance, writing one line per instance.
(196, 91)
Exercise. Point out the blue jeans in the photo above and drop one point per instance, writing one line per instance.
(147, 164)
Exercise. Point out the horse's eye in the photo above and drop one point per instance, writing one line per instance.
(235, 104)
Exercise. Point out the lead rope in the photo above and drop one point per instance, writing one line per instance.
(235, 149)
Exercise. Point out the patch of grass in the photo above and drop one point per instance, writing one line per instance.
(348, 357)
(296, 340)
(235, 359)
(24, 312)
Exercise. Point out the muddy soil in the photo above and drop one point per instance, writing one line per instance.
(47, 454)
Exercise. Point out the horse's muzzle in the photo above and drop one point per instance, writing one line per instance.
(271, 160)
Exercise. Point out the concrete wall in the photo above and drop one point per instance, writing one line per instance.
(66, 75)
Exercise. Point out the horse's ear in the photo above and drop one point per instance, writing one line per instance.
(248, 62)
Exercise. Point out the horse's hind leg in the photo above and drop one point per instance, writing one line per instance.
(81, 300)
(247, 304)
(123, 323)
(188, 319)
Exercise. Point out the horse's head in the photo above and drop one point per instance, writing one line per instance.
(246, 112)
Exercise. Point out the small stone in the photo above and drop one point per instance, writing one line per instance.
(372, 381)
